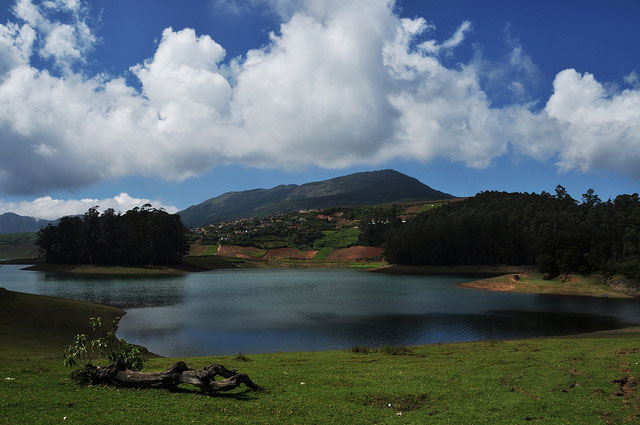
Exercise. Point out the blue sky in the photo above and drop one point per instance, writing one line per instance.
(118, 102)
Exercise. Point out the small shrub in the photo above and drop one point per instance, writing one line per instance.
(395, 351)
(360, 349)
(86, 349)
(242, 357)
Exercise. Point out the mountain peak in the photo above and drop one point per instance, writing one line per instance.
(364, 188)
(14, 223)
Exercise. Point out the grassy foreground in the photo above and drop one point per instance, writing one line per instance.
(41, 325)
(586, 380)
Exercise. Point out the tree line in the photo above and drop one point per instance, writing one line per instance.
(141, 236)
(556, 233)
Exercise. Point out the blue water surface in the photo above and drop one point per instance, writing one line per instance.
(257, 310)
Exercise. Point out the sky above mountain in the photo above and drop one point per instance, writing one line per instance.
(121, 102)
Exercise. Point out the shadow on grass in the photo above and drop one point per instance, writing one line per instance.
(242, 396)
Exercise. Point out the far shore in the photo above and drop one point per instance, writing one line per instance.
(533, 283)
(464, 269)
(216, 262)
(104, 270)
(192, 264)
(502, 278)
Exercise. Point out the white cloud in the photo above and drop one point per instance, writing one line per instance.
(633, 79)
(184, 71)
(15, 46)
(30, 13)
(599, 128)
(44, 150)
(433, 47)
(510, 79)
(61, 43)
(48, 208)
(65, 43)
(341, 83)
(72, 5)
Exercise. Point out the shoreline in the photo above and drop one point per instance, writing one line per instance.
(191, 265)
(228, 263)
(47, 306)
(503, 278)
(532, 283)
(104, 270)
(519, 279)
(472, 269)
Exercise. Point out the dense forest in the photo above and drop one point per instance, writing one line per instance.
(553, 232)
(141, 236)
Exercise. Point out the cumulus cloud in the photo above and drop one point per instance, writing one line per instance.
(15, 45)
(48, 208)
(184, 73)
(340, 83)
(599, 128)
(64, 43)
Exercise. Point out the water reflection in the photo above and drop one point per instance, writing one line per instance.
(123, 291)
(372, 331)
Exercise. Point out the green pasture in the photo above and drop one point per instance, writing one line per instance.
(587, 380)
(341, 238)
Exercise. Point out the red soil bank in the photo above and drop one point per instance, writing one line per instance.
(355, 253)
(290, 253)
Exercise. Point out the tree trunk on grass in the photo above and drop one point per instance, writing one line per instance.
(116, 374)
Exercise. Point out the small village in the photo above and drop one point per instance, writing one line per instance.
(342, 233)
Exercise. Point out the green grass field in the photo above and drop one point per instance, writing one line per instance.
(322, 253)
(211, 250)
(341, 238)
(587, 380)
(18, 245)
(36, 324)
(18, 238)
(212, 262)
(427, 207)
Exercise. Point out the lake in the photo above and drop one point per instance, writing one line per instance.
(251, 311)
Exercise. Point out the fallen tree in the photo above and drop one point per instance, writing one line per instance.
(127, 361)
(179, 373)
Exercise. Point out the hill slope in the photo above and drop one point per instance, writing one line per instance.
(366, 188)
(14, 223)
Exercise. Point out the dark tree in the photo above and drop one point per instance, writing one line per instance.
(555, 233)
(142, 236)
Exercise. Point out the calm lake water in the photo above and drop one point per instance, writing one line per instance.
(251, 311)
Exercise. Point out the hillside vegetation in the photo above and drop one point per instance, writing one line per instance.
(333, 234)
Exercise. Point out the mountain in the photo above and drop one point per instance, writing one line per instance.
(14, 223)
(368, 188)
